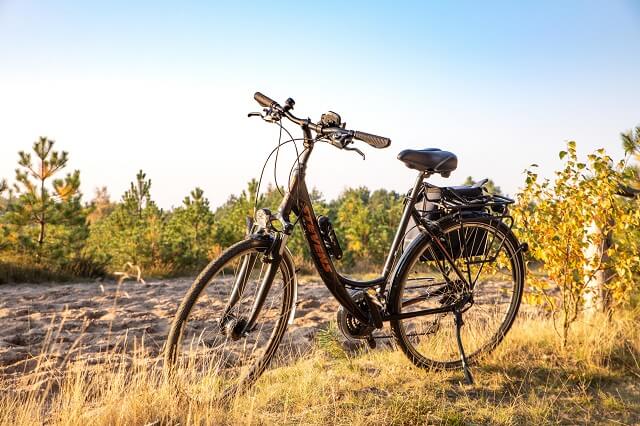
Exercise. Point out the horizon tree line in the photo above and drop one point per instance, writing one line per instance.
(45, 226)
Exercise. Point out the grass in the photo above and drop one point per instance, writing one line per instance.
(24, 269)
(530, 379)
(16, 268)
(12, 272)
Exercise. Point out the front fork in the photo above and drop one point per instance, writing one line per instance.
(272, 258)
(239, 327)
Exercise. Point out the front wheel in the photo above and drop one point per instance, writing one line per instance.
(490, 258)
(205, 343)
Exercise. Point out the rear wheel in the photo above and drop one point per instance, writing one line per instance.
(204, 344)
(489, 257)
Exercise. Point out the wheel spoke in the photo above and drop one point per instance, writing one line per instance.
(487, 257)
(225, 357)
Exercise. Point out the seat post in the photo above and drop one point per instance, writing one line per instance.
(409, 203)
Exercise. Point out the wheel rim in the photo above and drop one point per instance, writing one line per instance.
(430, 283)
(212, 360)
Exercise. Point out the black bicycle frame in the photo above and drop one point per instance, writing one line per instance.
(297, 201)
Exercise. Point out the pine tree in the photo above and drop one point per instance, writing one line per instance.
(139, 194)
(49, 220)
(188, 235)
(3, 187)
(385, 209)
(631, 146)
(132, 232)
(4, 231)
(230, 218)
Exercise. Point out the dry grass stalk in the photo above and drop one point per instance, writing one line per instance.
(531, 378)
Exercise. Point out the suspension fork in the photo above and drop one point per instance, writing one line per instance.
(238, 327)
(273, 257)
(240, 283)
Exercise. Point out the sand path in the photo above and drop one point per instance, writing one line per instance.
(84, 320)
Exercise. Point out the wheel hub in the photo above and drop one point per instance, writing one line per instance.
(234, 328)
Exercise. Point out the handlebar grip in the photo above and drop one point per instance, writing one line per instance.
(263, 100)
(373, 140)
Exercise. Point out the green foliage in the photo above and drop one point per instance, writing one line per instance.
(631, 141)
(188, 233)
(385, 209)
(132, 232)
(366, 222)
(231, 217)
(565, 219)
(138, 197)
(46, 220)
(101, 206)
(352, 223)
(42, 217)
(4, 186)
(631, 146)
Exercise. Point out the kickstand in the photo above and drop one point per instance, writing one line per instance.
(371, 342)
(468, 377)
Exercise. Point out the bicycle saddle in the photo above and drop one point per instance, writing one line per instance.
(431, 160)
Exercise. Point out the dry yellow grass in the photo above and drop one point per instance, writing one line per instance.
(530, 379)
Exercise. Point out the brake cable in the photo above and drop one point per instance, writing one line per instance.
(264, 166)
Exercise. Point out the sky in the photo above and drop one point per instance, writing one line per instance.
(166, 87)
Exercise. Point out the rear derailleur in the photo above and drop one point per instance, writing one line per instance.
(456, 294)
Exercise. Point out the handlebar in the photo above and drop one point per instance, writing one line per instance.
(373, 140)
(263, 100)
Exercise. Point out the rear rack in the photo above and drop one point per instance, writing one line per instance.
(467, 204)
(450, 200)
(462, 204)
(453, 200)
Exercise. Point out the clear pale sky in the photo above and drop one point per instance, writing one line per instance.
(165, 87)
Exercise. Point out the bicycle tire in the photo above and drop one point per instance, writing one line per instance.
(416, 253)
(195, 292)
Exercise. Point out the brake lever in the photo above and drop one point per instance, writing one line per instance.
(269, 115)
(355, 150)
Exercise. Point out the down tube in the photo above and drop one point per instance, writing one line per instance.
(321, 259)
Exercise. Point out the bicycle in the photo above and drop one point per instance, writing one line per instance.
(232, 319)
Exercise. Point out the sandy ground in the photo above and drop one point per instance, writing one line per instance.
(85, 320)
(51, 324)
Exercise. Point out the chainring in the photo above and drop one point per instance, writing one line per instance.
(350, 327)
